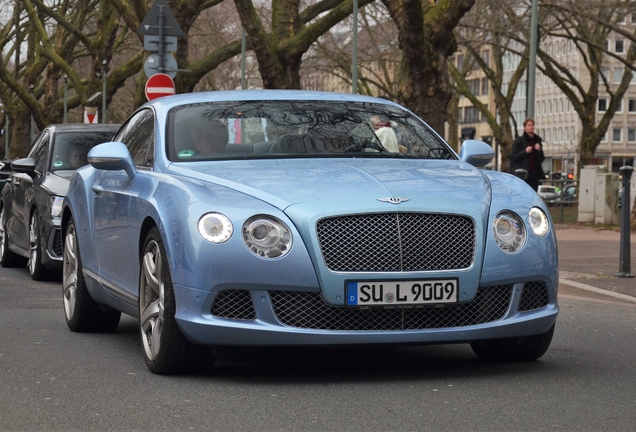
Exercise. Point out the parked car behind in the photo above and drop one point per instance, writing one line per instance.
(548, 192)
(286, 218)
(31, 203)
(5, 171)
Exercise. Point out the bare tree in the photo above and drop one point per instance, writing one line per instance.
(588, 24)
(425, 33)
(68, 38)
(280, 42)
(489, 23)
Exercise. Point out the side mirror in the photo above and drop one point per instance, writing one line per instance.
(112, 156)
(521, 173)
(24, 166)
(476, 153)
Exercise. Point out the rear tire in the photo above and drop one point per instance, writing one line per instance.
(37, 270)
(7, 258)
(527, 348)
(165, 348)
(83, 314)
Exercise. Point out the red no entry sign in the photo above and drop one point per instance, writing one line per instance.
(159, 85)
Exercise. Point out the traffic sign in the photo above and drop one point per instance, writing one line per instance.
(159, 85)
(150, 24)
(151, 65)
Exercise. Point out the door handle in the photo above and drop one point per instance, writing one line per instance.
(97, 189)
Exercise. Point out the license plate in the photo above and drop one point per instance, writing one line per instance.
(402, 293)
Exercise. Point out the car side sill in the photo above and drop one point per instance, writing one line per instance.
(112, 289)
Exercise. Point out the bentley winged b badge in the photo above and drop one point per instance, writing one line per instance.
(394, 200)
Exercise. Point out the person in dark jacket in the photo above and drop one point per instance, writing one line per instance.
(527, 153)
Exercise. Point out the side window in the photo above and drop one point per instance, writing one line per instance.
(39, 151)
(139, 137)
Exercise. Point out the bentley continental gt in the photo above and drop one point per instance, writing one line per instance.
(260, 218)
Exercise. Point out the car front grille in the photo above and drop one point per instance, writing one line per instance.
(390, 242)
(57, 243)
(234, 304)
(308, 310)
(534, 296)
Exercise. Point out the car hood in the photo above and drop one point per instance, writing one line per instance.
(308, 190)
(422, 185)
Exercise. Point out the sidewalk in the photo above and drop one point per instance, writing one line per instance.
(589, 261)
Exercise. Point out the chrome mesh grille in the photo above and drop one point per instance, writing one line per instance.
(234, 304)
(57, 243)
(308, 310)
(389, 242)
(534, 296)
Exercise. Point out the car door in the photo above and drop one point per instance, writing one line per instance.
(115, 216)
(22, 186)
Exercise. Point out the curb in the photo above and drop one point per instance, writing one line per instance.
(596, 290)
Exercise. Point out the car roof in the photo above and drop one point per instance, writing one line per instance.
(83, 127)
(260, 95)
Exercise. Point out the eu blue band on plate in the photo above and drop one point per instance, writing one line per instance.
(352, 293)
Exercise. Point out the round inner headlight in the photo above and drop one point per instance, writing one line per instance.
(509, 232)
(538, 221)
(215, 227)
(266, 236)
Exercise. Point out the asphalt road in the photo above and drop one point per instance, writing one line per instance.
(52, 379)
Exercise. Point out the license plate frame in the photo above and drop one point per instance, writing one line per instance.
(408, 293)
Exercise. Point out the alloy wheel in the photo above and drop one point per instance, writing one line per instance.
(69, 272)
(152, 300)
(33, 244)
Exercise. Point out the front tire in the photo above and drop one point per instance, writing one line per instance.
(165, 348)
(83, 314)
(7, 258)
(37, 270)
(527, 348)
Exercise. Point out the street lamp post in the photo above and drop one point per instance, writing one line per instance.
(65, 97)
(104, 72)
(32, 133)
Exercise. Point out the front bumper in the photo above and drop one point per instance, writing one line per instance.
(511, 314)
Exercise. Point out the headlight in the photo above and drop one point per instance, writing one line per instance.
(538, 221)
(56, 205)
(510, 234)
(215, 227)
(266, 236)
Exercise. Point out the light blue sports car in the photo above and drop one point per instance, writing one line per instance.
(303, 218)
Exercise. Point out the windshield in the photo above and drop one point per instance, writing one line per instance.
(70, 148)
(258, 129)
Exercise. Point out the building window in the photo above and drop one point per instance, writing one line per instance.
(561, 103)
(619, 46)
(473, 86)
(603, 75)
(618, 75)
(549, 107)
(573, 134)
(460, 112)
(471, 115)
(484, 86)
(619, 108)
(485, 56)
(631, 135)
(617, 134)
(567, 134)
(602, 104)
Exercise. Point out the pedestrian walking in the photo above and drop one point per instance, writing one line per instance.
(527, 154)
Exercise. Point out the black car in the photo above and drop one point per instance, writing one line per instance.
(31, 202)
(5, 171)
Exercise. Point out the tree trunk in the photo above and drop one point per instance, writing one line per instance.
(425, 33)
